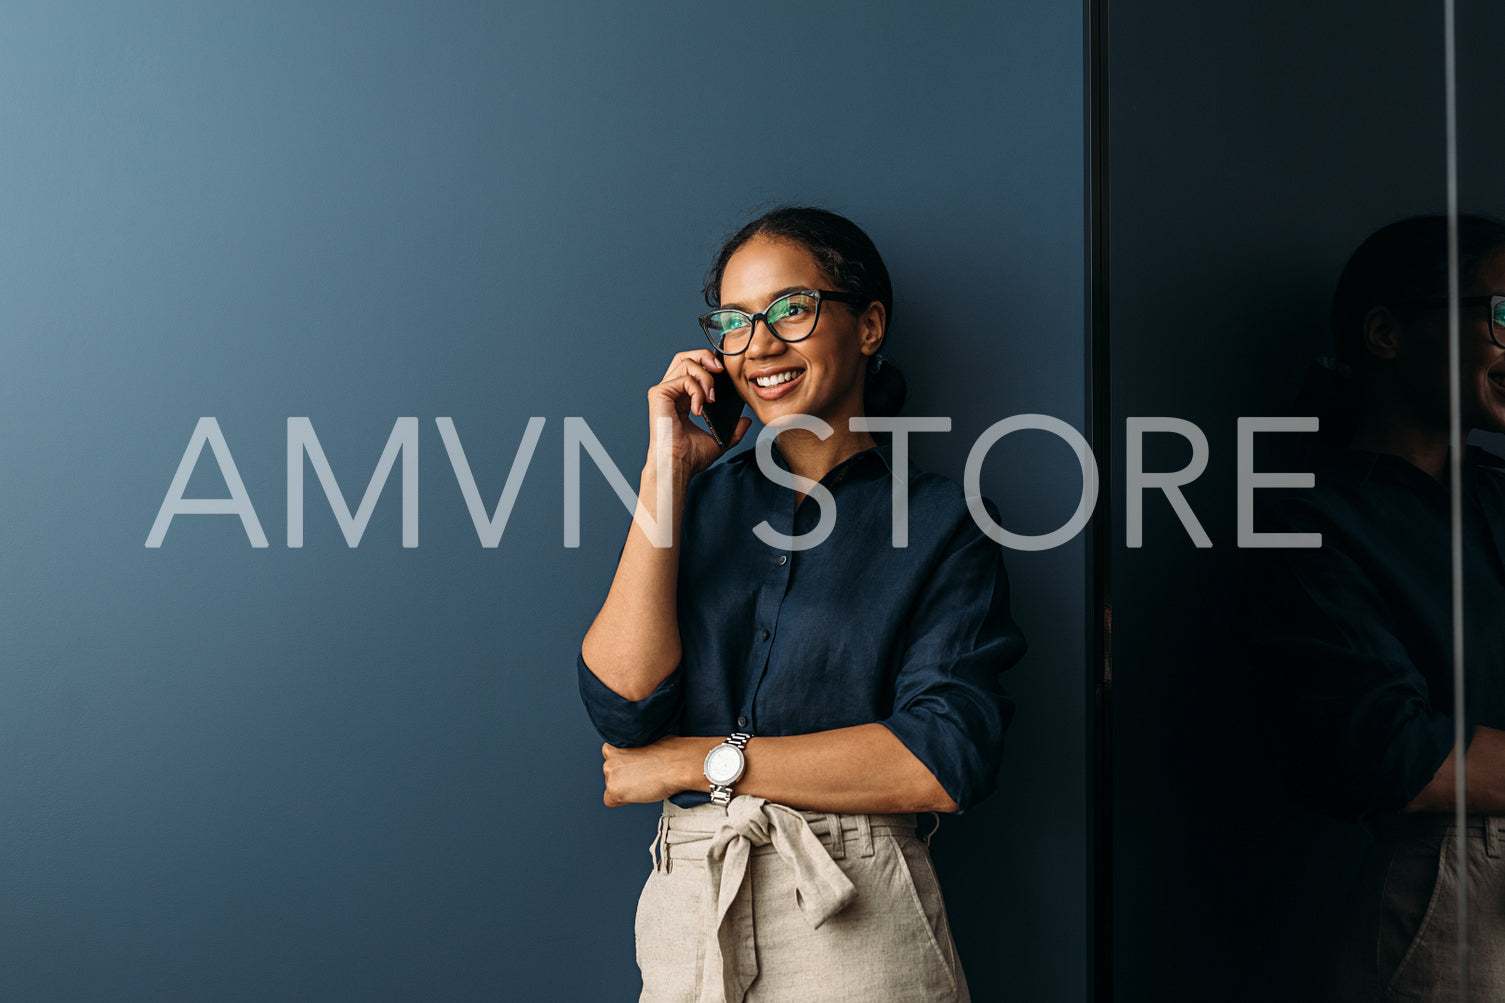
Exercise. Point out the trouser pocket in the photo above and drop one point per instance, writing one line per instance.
(1416, 934)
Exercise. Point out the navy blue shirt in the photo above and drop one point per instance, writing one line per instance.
(849, 632)
(1354, 639)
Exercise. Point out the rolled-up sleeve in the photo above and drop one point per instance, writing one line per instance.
(629, 723)
(1353, 721)
(950, 709)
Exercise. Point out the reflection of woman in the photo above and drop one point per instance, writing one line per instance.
(1356, 637)
(842, 687)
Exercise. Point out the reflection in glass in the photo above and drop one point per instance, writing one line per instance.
(1355, 637)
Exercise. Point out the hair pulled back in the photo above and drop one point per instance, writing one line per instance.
(846, 254)
(1405, 261)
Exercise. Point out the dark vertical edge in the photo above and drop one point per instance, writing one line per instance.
(1099, 530)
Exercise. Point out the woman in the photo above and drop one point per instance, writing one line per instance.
(1355, 637)
(842, 686)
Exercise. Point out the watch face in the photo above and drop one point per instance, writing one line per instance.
(724, 764)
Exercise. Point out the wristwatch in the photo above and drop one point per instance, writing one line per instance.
(724, 765)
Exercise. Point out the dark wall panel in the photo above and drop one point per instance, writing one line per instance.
(1252, 147)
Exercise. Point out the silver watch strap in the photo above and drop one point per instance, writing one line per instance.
(722, 794)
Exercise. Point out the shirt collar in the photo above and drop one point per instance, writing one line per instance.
(876, 458)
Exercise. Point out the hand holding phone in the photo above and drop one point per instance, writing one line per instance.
(721, 414)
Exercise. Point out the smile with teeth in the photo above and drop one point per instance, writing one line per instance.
(774, 379)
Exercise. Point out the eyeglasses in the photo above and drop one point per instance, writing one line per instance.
(1496, 311)
(791, 318)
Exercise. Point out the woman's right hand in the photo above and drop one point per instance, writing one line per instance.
(687, 385)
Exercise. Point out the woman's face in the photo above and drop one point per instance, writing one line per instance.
(1422, 354)
(821, 375)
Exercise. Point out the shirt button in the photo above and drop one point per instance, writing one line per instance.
(783, 559)
(742, 722)
(763, 634)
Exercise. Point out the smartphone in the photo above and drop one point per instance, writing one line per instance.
(721, 414)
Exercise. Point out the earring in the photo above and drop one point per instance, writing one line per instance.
(875, 364)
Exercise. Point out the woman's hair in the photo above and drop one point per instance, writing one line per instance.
(1403, 262)
(852, 261)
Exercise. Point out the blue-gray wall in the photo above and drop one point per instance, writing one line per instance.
(237, 773)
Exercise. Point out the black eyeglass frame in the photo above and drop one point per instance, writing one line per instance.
(821, 295)
(1493, 300)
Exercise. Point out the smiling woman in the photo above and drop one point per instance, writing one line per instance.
(783, 370)
(855, 683)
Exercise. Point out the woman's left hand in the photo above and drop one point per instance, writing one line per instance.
(649, 773)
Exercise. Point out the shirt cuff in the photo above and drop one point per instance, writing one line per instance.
(965, 767)
(629, 723)
(1418, 753)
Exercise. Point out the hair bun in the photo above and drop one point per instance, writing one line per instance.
(884, 389)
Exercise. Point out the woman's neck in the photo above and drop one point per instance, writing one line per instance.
(812, 457)
(1393, 430)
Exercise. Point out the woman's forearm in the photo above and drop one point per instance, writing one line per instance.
(1484, 768)
(859, 769)
(633, 643)
(864, 769)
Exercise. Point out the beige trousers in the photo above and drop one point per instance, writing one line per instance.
(759, 903)
(1404, 944)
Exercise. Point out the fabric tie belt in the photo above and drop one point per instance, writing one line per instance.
(810, 843)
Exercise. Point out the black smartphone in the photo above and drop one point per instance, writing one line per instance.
(721, 414)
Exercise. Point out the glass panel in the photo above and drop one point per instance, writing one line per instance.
(1276, 706)
(1481, 191)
